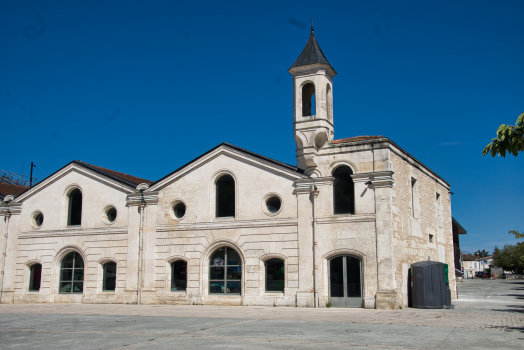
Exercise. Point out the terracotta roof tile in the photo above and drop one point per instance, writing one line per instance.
(130, 178)
(357, 138)
(6, 189)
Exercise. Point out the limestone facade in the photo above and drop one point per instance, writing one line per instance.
(401, 215)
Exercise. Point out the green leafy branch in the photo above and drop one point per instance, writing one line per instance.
(510, 139)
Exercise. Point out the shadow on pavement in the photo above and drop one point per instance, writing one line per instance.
(512, 308)
(517, 296)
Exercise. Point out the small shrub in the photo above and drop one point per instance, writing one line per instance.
(328, 304)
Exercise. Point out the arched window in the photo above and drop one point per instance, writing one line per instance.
(72, 274)
(329, 102)
(109, 277)
(225, 196)
(179, 275)
(225, 272)
(74, 216)
(275, 279)
(343, 191)
(35, 277)
(308, 100)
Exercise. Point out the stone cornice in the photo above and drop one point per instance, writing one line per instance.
(69, 232)
(223, 225)
(375, 179)
(134, 199)
(337, 219)
(11, 208)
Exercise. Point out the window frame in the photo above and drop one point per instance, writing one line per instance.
(172, 275)
(104, 276)
(60, 280)
(74, 190)
(351, 182)
(217, 197)
(32, 276)
(225, 266)
(266, 275)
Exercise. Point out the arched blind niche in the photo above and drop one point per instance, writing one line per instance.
(343, 191)
(225, 196)
(74, 216)
(308, 100)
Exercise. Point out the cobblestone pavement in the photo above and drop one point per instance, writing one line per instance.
(489, 314)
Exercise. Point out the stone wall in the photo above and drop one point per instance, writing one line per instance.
(416, 219)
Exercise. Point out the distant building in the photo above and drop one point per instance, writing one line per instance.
(233, 227)
(475, 263)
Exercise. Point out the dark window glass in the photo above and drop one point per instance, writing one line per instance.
(275, 275)
(273, 204)
(179, 275)
(109, 276)
(225, 271)
(35, 278)
(111, 214)
(75, 208)
(353, 277)
(72, 274)
(225, 196)
(343, 191)
(308, 100)
(39, 219)
(336, 276)
(179, 210)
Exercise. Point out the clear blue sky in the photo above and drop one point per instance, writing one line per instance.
(143, 87)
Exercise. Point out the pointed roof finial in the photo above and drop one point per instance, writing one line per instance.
(312, 54)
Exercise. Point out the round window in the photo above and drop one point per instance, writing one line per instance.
(179, 210)
(273, 204)
(111, 214)
(38, 219)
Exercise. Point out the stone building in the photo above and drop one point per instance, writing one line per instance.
(233, 227)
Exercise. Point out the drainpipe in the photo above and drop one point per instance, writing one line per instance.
(314, 195)
(7, 199)
(140, 239)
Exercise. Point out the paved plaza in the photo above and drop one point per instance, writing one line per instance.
(488, 315)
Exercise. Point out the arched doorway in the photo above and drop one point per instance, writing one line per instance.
(345, 281)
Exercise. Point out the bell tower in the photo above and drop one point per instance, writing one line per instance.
(312, 104)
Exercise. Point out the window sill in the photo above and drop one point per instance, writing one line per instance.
(178, 291)
(107, 292)
(33, 292)
(225, 218)
(273, 294)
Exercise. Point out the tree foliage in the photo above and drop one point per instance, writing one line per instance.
(482, 253)
(510, 139)
(510, 258)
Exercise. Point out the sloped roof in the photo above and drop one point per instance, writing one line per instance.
(125, 178)
(311, 54)
(357, 138)
(8, 189)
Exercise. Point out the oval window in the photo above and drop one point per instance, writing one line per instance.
(179, 210)
(111, 214)
(38, 219)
